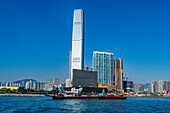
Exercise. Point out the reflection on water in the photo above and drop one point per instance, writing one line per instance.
(75, 105)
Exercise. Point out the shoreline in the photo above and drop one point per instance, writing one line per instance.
(41, 95)
(21, 95)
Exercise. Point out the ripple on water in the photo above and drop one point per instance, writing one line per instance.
(43, 104)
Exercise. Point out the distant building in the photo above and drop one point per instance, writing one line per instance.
(27, 85)
(56, 82)
(48, 85)
(77, 41)
(166, 85)
(68, 83)
(82, 78)
(118, 73)
(158, 87)
(128, 86)
(42, 86)
(150, 88)
(34, 85)
(103, 64)
(138, 88)
(141, 88)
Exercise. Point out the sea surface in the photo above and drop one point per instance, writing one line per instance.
(47, 105)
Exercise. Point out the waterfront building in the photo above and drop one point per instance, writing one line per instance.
(34, 85)
(166, 85)
(136, 88)
(42, 85)
(160, 86)
(77, 61)
(84, 78)
(156, 86)
(48, 85)
(150, 88)
(69, 64)
(128, 86)
(68, 83)
(56, 82)
(27, 85)
(141, 88)
(118, 73)
(103, 64)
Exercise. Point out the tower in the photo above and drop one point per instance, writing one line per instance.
(118, 73)
(77, 41)
(103, 64)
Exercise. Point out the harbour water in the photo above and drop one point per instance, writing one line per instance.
(47, 105)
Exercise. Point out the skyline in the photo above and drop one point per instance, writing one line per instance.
(35, 42)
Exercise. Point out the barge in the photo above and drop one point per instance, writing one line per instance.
(107, 97)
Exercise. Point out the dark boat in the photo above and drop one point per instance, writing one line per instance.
(107, 97)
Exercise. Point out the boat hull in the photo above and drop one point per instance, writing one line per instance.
(90, 98)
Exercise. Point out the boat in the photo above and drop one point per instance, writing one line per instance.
(105, 97)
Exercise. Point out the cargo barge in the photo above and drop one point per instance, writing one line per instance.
(107, 97)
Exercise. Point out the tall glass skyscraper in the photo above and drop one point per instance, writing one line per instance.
(77, 41)
(103, 64)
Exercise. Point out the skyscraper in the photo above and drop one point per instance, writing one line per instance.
(103, 64)
(118, 73)
(77, 41)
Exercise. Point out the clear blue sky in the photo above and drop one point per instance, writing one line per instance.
(35, 37)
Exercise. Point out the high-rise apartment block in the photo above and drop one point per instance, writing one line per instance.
(56, 82)
(77, 61)
(118, 73)
(150, 88)
(103, 64)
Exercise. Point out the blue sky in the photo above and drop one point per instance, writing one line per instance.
(35, 37)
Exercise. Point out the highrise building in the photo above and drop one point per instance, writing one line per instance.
(35, 85)
(27, 85)
(103, 64)
(166, 85)
(69, 65)
(160, 86)
(56, 82)
(77, 61)
(150, 88)
(118, 73)
(136, 88)
(156, 86)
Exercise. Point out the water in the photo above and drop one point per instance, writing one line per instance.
(47, 105)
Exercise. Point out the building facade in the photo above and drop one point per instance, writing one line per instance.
(118, 73)
(103, 64)
(56, 82)
(84, 78)
(150, 88)
(128, 86)
(77, 61)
